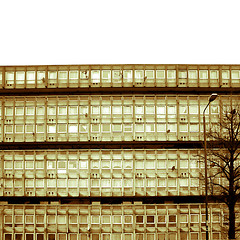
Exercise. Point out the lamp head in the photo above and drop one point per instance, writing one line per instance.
(212, 97)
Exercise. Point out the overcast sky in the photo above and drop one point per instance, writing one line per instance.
(103, 31)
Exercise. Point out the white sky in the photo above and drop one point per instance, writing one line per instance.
(126, 31)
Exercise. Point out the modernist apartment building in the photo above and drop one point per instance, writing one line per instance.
(109, 152)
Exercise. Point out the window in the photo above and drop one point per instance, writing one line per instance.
(95, 164)
(83, 110)
(29, 128)
(213, 74)
(171, 109)
(8, 164)
(161, 182)
(225, 74)
(160, 74)
(30, 76)
(128, 219)
(139, 219)
(83, 164)
(117, 183)
(41, 75)
(39, 164)
(150, 164)
(139, 164)
(149, 74)
(171, 74)
(139, 74)
(150, 219)
(51, 128)
(73, 110)
(40, 110)
(19, 110)
(8, 128)
(106, 109)
(127, 74)
(172, 218)
(192, 74)
(83, 219)
(127, 164)
(62, 110)
(83, 128)
(161, 219)
(115, 164)
(127, 109)
(203, 74)
(182, 74)
(29, 236)
(51, 219)
(95, 219)
(106, 183)
(184, 164)
(18, 236)
(51, 110)
(73, 219)
(116, 127)
(235, 74)
(72, 183)
(29, 183)
(117, 109)
(139, 109)
(62, 75)
(19, 128)
(51, 183)
(139, 128)
(95, 76)
(150, 109)
(29, 219)
(7, 219)
(106, 219)
(172, 182)
(150, 127)
(193, 109)
(128, 183)
(61, 164)
(183, 109)
(62, 236)
(18, 164)
(183, 182)
(183, 218)
(51, 236)
(106, 127)
(150, 182)
(62, 183)
(73, 74)
(40, 219)
(9, 111)
(72, 128)
(117, 219)
(106, 74)
(95, 109)
(20, 75)
(194, 218)
(52, 75)
(61, 219)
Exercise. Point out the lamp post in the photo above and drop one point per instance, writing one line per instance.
(211, 98)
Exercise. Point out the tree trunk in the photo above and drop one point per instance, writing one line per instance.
(231, 231)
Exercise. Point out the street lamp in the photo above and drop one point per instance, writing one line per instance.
(211, 99)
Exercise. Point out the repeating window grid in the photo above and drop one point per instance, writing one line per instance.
(141, 166)
(74, 127)
(191, 212)
(28, 76)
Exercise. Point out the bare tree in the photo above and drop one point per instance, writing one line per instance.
(224, 162)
